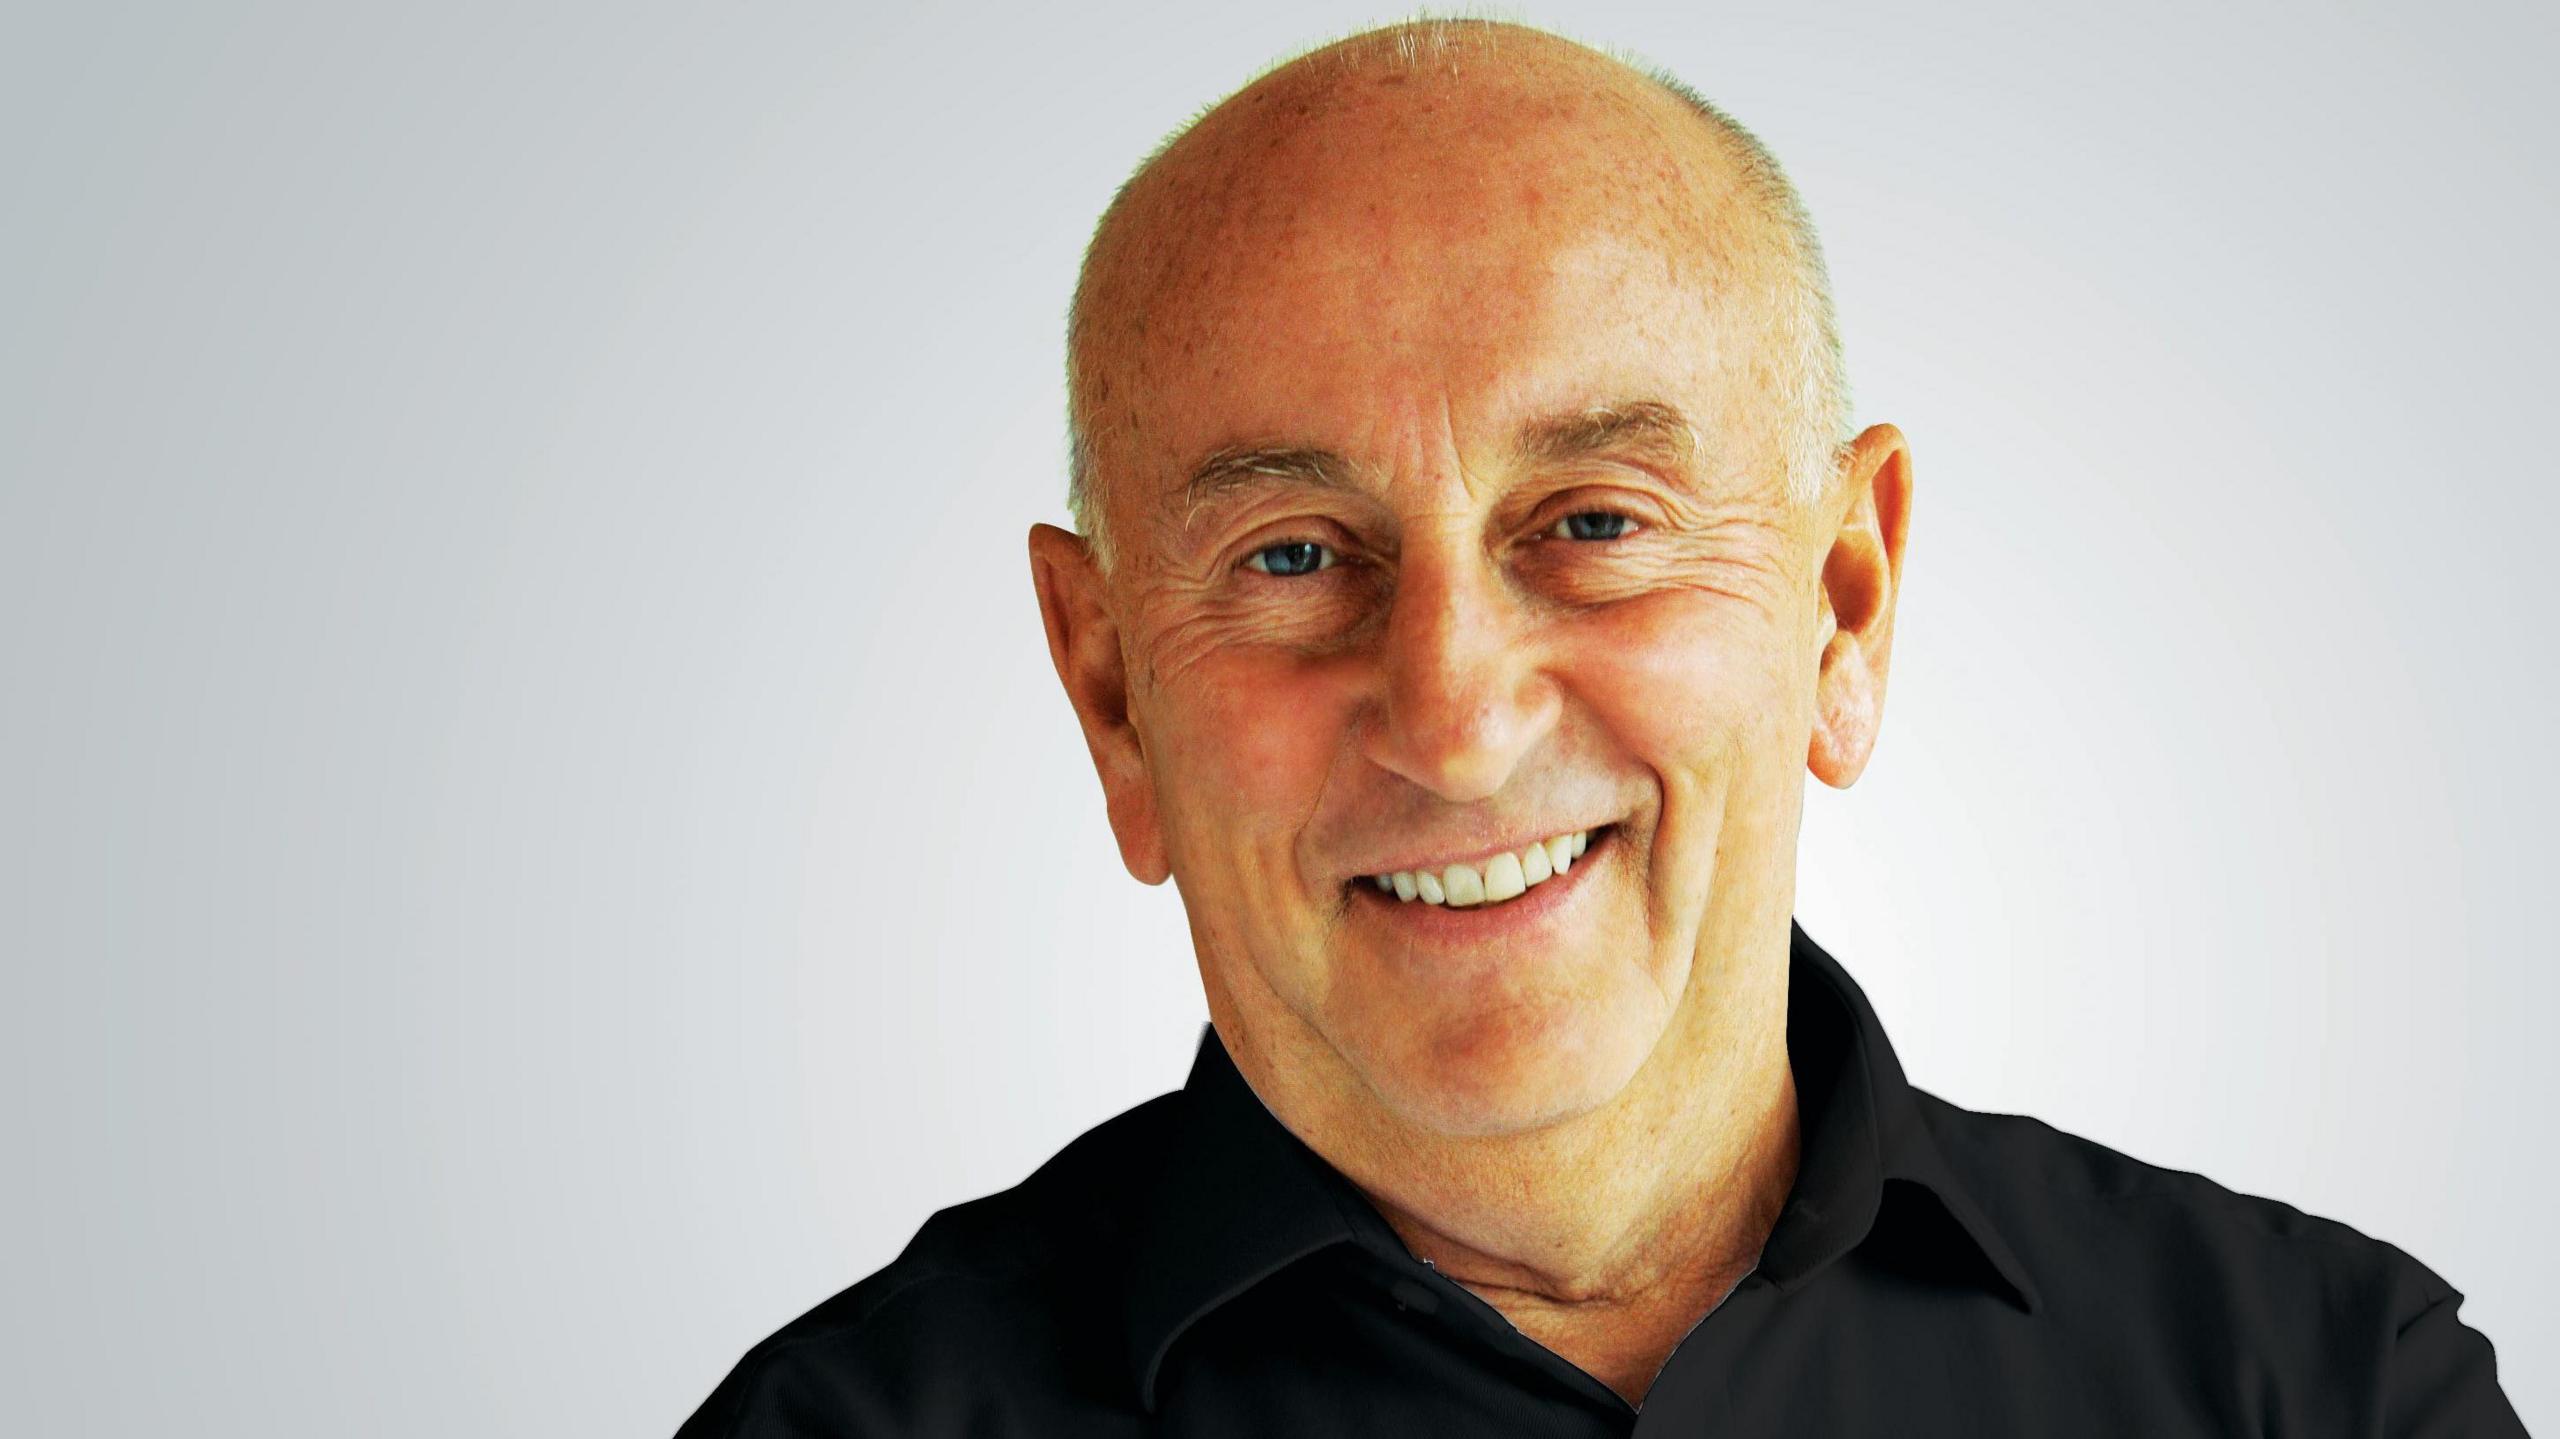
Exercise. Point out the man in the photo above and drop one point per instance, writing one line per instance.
(1475, 554)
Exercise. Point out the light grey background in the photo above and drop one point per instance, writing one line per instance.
(541, 839)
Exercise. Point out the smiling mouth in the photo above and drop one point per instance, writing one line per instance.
(1495, 879)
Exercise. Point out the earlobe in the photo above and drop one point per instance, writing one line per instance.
(1848, 710)
(1084, 647)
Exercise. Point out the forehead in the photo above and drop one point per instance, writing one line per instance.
(1322, 267)
(1486, 333)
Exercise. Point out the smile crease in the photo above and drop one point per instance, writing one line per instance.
(1505, 876)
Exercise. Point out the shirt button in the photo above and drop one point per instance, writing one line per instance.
(1409, 1294)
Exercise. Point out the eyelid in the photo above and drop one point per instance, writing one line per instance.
(1341, 549)
(1636, 524)
(1333, 557)
(1304, 529)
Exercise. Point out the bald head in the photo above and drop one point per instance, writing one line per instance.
(1446, 139)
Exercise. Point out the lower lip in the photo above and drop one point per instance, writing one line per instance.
(1485, 921)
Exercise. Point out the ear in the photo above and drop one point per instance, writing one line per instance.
(1861, 576)
(1084, 644)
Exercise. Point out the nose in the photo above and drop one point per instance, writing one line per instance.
(1464, 692)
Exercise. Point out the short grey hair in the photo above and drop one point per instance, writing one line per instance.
(1807, 371)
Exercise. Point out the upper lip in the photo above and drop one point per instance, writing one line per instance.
(1441, 856)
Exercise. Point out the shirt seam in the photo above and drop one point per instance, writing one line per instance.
(761, 1358)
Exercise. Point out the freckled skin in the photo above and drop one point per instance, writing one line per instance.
(1593, 1123)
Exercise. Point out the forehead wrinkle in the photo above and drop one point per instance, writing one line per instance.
(1653, 431)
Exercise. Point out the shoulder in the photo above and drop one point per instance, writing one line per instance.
(1013, 1283)
(2313, 1325)
(2307, 1324)
(2040, 1176)
(2095, 1225)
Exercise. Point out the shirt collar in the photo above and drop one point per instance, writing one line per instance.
(1241, 1197)
(1867, 1145)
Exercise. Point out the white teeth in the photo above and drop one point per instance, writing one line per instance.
(1464, 885)
(1502, 877)
(1535, 866)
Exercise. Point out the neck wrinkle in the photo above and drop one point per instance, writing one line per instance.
(1697, 1227)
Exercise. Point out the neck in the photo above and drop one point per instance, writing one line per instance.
(1596, 1225)
(1608, 1236)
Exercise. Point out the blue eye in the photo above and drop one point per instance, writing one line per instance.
(1296, 557)
(1593, 525)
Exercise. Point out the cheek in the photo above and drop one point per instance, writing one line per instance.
(1249, 737)
(1681, 677)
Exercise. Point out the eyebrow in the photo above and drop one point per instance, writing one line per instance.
(1645, 429)
(1239, 467)
(1648, 430)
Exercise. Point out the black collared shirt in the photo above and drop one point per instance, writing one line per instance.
(1189, 1267)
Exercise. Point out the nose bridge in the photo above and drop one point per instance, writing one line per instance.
(1463, 700)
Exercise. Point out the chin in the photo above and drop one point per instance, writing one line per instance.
(1512, 1071)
